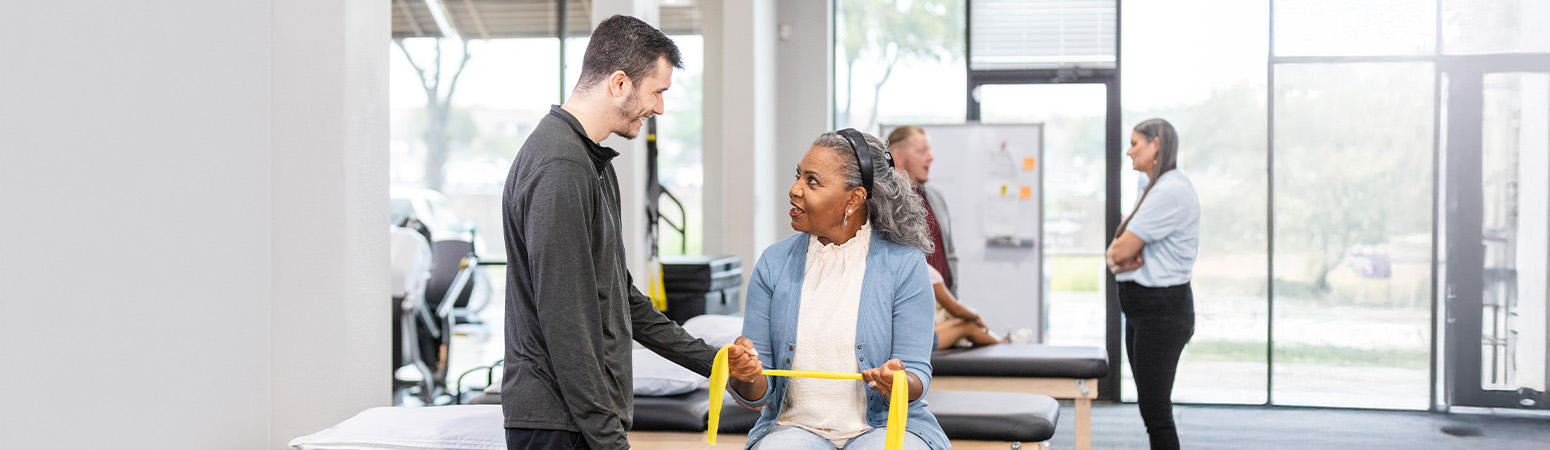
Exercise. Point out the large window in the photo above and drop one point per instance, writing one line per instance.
(1309, 130)
(680, 161)
(497, 102)
(1346, 320)
(1353, 157)
(1495, 26)
(498, 99)
(457, 125)
(898, 62)
(1201, 66)
(1353, 234)
(1360, 28)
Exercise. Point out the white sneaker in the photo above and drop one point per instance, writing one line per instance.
(1021, 336)
(408, 374)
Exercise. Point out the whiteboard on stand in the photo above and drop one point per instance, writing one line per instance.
(991, 177)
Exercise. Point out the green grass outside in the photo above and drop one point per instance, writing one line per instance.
(1322, 355)
(1075, 273)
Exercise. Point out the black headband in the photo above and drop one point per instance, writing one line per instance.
(863, 156)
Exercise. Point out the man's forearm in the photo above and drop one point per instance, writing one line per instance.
(667, 338)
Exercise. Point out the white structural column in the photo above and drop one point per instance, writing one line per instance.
(197, 255)
(631, 163)
(739, 129)
(805, 73)
(331, 329)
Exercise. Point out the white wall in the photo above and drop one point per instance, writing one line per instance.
(193, 252)
(330, 321)
(804, 79)
(768, 67)
(739, 128)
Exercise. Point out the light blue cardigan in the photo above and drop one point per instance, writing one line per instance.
(894, 321)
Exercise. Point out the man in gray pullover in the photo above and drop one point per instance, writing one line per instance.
(571, 307)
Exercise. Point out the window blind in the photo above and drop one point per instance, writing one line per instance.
(1042, 34)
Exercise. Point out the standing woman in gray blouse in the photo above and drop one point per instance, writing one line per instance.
(1152, 257)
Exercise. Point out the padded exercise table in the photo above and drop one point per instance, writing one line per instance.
(964, 416)
(994, 416)
(682, 412)
(972, 420)
(1059, 372)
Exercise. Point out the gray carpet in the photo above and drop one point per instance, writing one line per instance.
(1252, 427)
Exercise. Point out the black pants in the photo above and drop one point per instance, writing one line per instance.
(1158, 322)
(530, 439)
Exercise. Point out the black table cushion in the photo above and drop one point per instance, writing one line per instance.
(690, 412)
(684, 412)
(994, 416)
(978, 416)
(1021, 360)
(735, 418)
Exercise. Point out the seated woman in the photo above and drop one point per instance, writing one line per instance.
(848, 293)
(957, 325)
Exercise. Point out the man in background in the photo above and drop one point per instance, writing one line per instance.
(912, 155)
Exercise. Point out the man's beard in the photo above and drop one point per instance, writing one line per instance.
(628, 117)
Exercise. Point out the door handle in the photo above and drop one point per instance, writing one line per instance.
(1449, 293)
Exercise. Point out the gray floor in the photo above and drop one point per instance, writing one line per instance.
(1250, 427)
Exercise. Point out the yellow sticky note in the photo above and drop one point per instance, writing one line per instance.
(1025, 192)
(1029, 163)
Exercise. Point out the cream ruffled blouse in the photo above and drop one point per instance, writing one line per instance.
(826, 340)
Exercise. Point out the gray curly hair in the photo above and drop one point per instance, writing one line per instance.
(895, 211)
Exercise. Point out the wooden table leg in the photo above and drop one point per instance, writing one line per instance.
(1084, 425)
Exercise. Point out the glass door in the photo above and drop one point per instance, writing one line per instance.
(1073, 116)
(1080, 114)
(1496, 200)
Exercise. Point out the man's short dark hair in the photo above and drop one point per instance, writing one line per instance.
(628, 44)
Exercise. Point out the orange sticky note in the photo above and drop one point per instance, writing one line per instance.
(1026, 192)
(1029, 163)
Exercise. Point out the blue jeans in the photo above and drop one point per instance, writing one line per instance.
(784, 437)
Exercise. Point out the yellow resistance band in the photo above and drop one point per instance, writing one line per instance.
(898, 403)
